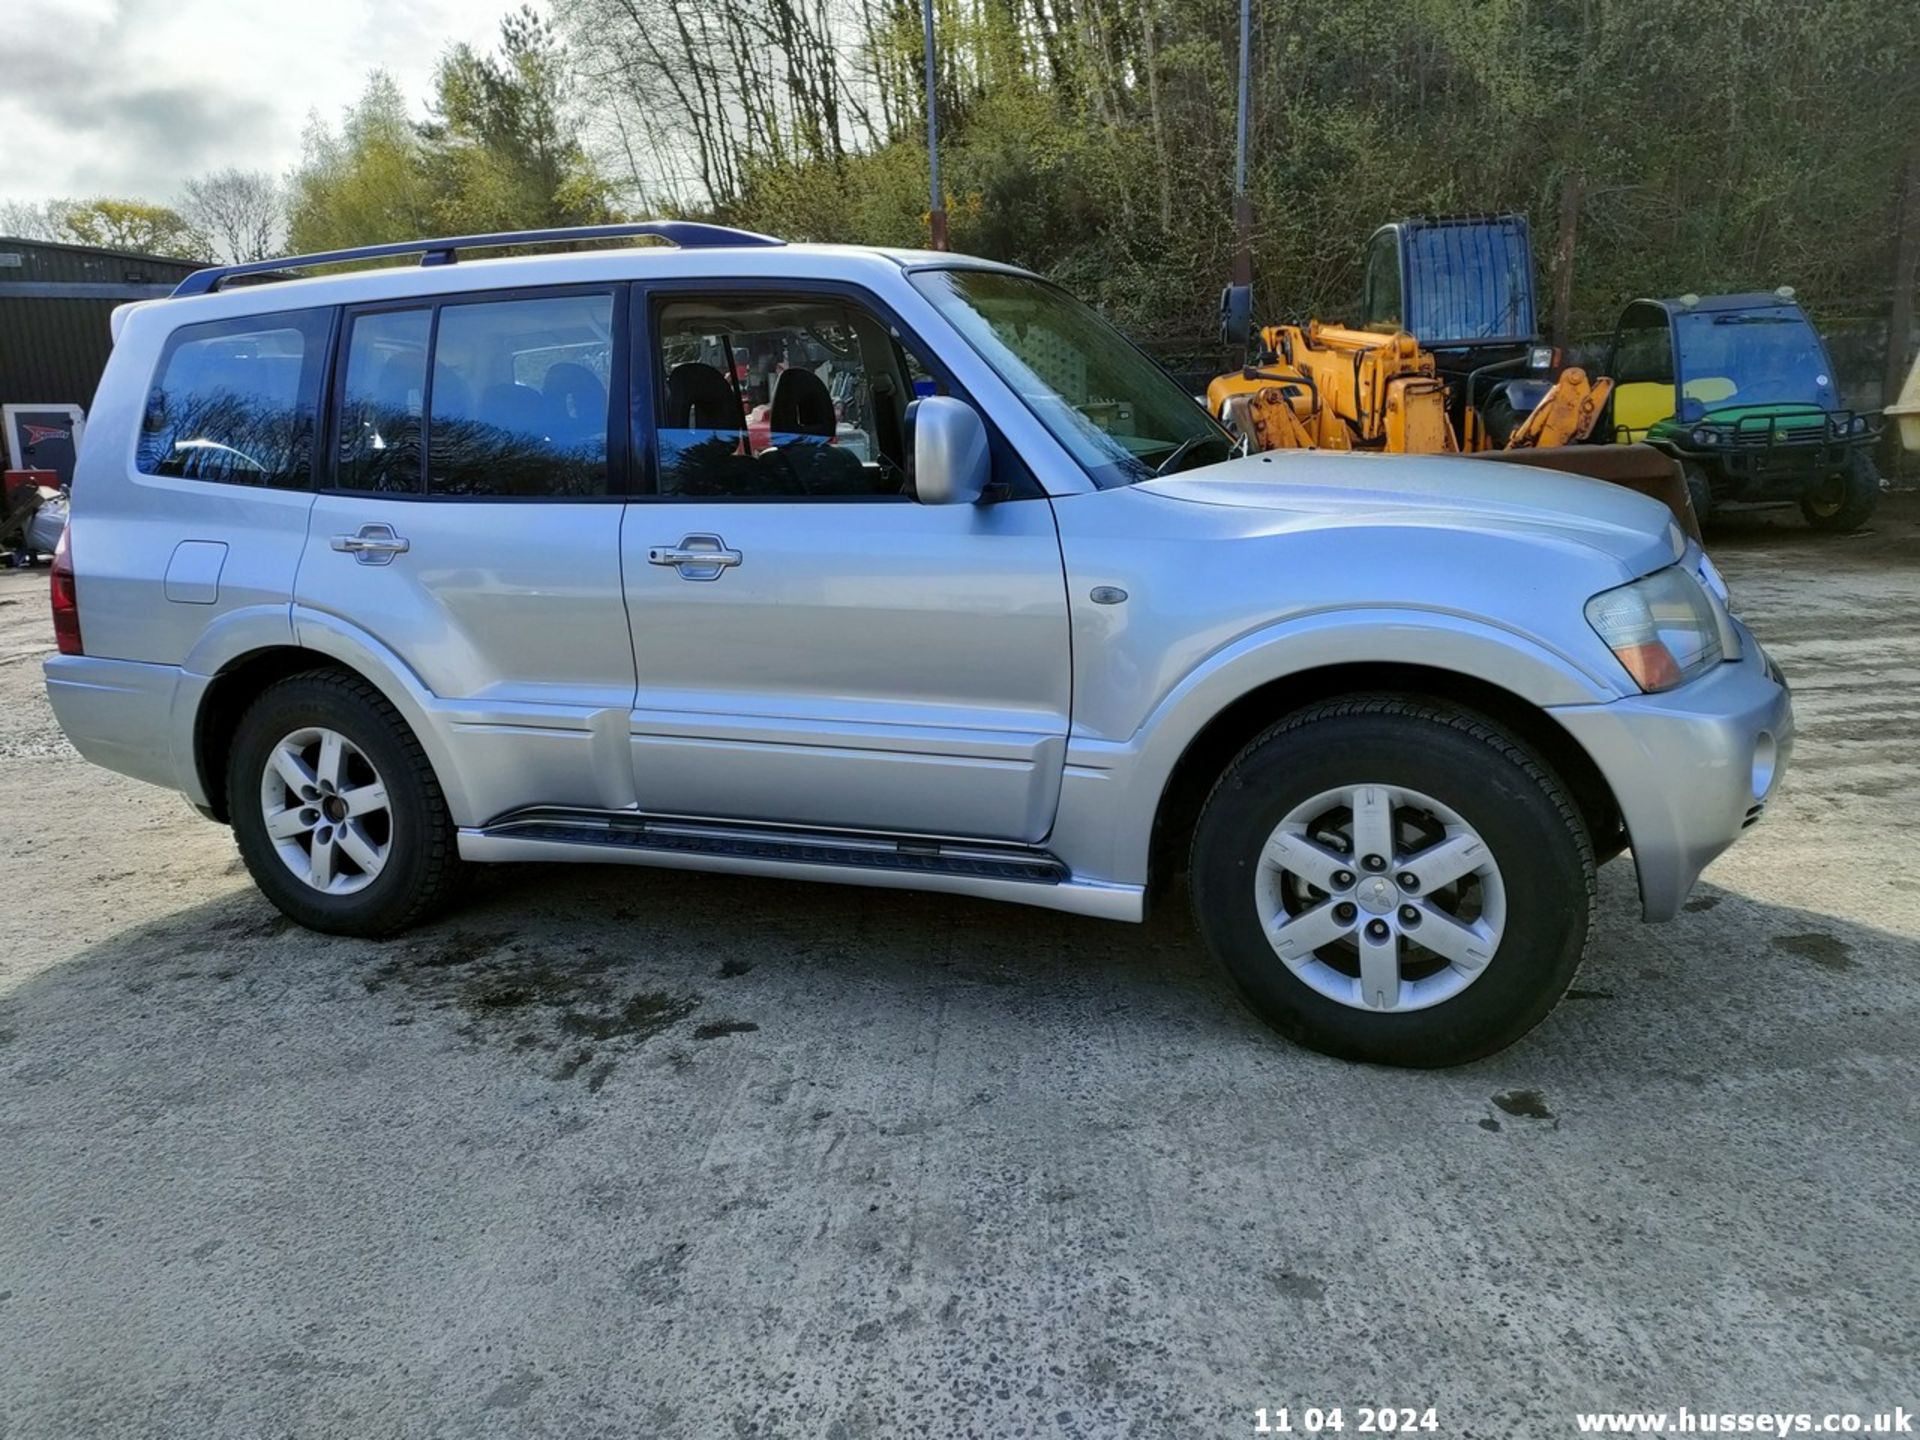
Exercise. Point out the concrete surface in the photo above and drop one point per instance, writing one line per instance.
(619, 1153)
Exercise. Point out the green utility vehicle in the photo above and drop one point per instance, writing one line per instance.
(1739, 390)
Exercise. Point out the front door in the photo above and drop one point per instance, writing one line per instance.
(812, 646)
(472, 526)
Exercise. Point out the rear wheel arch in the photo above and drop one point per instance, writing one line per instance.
(236, 686)
(347, 831)
(1214, 747)
(244, 678)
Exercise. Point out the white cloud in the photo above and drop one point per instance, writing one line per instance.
(131, 97)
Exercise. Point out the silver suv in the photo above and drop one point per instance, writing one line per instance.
(884, 568)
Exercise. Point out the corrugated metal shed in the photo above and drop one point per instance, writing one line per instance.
(54, 304)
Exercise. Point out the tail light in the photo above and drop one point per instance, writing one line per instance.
(66, 597)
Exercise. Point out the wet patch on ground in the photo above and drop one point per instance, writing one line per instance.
(1526, 1104)
(1827, 951)
(531, 997)
(658, 1279)
(714, 1029)
(1299, 1287)
(513, 1392)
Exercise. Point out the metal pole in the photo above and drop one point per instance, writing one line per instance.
(936, 209)
(1242, 206)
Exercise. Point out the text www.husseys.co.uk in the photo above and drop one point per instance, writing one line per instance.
(1743, 1422)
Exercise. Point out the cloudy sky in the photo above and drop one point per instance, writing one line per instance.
(130, 97)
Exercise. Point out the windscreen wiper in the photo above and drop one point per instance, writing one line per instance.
(1179, 453)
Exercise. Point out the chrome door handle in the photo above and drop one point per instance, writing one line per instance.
(696, 557)
(373, 545)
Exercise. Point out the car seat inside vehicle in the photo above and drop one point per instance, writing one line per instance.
(574, 403)
(702, 434)
(802, 425)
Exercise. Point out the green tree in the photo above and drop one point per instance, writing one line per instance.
(130, 225)
(364, 184)
(1754, 144)
(498, 150)
(503, 147)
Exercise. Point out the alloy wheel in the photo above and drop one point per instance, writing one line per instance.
(326, 810)
(1380, 898)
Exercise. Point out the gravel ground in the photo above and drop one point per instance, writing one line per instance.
(629, 1153)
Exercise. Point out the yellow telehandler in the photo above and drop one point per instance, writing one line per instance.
(1446, 361)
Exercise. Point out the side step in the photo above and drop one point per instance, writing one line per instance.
(628, 834)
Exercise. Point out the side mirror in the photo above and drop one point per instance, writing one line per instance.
(1236, 316)
(951, 461)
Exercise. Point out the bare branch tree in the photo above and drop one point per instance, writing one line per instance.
(243, 211)
(26, 220)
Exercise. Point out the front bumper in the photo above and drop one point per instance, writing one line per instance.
(1690, 768)
(1777, 460)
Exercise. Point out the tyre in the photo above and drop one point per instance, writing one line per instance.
(336, 811)
(1844, 501)
(1499, 418)
(1699, 491)
(1389, 880)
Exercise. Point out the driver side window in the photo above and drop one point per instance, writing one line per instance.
(1381, 309)
(780, 398)
(1645, 355)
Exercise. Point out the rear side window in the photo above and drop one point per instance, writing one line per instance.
(479, 398)
(383, 394)
(520, 392)
(234, 401)
(1646, 349)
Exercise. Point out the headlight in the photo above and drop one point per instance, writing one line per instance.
(1661, 628)
(1704, 435)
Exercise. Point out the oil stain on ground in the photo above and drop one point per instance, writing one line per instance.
(1299, 1287)
(714, 1029)
(1826, 951)
(1527, 1104)
(530, 997)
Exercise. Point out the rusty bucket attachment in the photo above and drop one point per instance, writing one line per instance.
(1640, 468)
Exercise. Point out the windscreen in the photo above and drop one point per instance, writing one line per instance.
(1768, 356)
(1468, 282)
(1119, 414)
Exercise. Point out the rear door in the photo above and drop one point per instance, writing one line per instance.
(812, 646)
(472, 523)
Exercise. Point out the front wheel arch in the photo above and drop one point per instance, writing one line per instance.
(1214, 747)
(1291, 909)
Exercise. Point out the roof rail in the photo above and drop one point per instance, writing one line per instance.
(687, 234)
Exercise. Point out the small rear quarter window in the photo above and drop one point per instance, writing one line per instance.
(234, 401)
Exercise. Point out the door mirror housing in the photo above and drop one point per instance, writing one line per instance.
(952, 463)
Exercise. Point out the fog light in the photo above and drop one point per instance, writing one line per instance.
(1766, 756)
